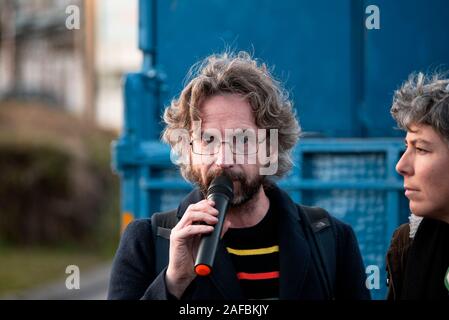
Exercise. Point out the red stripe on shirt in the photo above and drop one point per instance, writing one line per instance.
(258, 276)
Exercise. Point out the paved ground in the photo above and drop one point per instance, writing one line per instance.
(93, 286)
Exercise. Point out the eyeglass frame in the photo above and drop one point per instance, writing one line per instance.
(230, 147)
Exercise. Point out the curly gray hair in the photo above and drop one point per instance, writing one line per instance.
(423, 100)
(239, 73)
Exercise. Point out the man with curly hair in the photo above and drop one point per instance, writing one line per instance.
(234, 119)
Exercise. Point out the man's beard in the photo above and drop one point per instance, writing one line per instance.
(244, 191)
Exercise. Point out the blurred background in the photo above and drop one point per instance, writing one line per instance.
(68, 92)
(60, 107)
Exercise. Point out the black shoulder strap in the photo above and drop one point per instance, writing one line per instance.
(323, 247)
(161, 225)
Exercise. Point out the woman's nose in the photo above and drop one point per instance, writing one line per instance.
(405, 164)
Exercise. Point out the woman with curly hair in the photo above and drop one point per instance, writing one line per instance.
(418, 257)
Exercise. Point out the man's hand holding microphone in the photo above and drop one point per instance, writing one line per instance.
(194, 240)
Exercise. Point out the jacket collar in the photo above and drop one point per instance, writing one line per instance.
(294, 253)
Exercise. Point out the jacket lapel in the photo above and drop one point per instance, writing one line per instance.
(294, 253)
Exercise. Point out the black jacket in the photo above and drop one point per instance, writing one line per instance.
(417, 266)
(133, 275)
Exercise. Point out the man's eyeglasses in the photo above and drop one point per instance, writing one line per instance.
(239, 145)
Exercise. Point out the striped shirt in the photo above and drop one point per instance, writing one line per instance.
(255, 254)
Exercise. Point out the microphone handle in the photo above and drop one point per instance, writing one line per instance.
(208, 244)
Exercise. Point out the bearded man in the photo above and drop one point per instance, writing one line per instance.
(234, 119)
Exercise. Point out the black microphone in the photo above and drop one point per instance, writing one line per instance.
(221, 191)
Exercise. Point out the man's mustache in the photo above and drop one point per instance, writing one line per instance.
(228, 173)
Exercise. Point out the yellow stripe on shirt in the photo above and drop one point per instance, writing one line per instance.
(251, 252)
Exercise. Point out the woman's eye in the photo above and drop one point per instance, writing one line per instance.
(422, 151)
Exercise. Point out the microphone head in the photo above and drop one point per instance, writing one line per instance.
(222, 184)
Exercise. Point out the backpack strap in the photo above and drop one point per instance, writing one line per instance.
(161, 225)
(323, 246)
